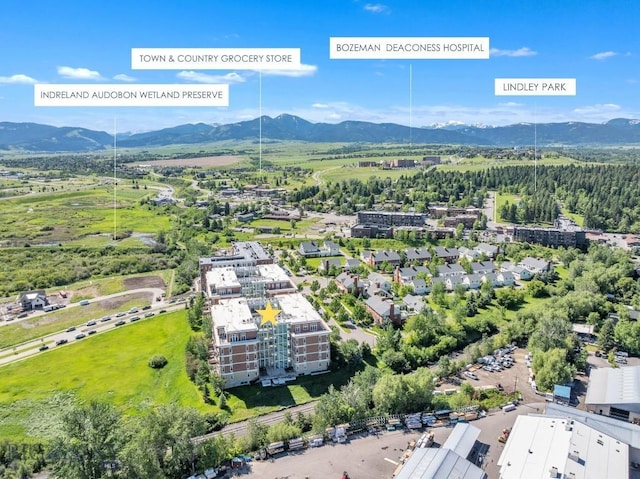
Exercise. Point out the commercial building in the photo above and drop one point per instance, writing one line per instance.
(561, 447)
(448, 461)
(615, 392)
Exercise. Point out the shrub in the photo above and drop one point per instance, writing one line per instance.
(158, 361)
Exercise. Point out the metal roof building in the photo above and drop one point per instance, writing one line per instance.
(449, 461)
(615, 392)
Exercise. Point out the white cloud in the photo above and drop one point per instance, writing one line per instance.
(597, 109)
(320, 105)
(603, 55)
(520, 52)
(302, 71)
(79, 73)
(510, 104)
(19, 78)
(124, 77)
(199, 77)
(376, 8)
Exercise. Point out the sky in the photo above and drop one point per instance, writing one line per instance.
(64, 41)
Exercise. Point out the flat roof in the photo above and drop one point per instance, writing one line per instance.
(234, 314)
(615, 386)
(296, 309)
(273, 272)
(222, 278)
(538, 444)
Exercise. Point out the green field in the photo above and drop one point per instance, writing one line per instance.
(363, 174)
(50, 323)
(72, 215)
(481, 163)
(110, 367)
(500, 200)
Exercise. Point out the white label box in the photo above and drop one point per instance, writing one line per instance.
(409, 48)
(145, 95)
(215, 58)
(535, 86)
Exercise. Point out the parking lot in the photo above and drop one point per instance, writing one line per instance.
(512, 378)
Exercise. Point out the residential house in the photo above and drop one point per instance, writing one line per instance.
(449, 255)
(519, 273)
(309, 249)
(447, 270)
(383, 311)
(376, 259)
(452, 281)
(351, 264)
(493, 278)
(419, 286)
(483, 267)
(33, 300)
(470, 254)
(402, 275)
(489, 250)
(350, 283)
(417, 255)
(472, 281)
(507, 278)
(330, 248)
(377, 282)
(535, 265)
(413, 303)
(326, 265)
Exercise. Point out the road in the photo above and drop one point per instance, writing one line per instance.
(31, 348)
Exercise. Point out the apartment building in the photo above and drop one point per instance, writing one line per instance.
(262, 327)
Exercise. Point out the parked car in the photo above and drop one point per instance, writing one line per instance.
(471, 375)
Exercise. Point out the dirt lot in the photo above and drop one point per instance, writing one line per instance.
(117, 301)
(143, 282)
(204, 161)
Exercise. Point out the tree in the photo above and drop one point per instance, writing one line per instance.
(536, 289)
(315, 286)
(606, 336)
(161, 444)
(90, 439)
(551, 367)
(551, 332)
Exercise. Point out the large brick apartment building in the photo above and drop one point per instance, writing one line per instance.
(262, 327)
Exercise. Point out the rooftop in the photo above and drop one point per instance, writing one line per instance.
(539, 445)
(615, 386)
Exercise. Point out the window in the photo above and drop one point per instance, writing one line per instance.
(305, 327)
(313, 327)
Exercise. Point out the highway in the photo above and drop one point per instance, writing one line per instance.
(30, 348)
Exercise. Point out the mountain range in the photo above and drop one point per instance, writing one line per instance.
(45, 138)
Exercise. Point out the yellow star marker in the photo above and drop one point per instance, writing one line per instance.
(268, 314)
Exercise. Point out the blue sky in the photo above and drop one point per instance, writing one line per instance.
(66, 41)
